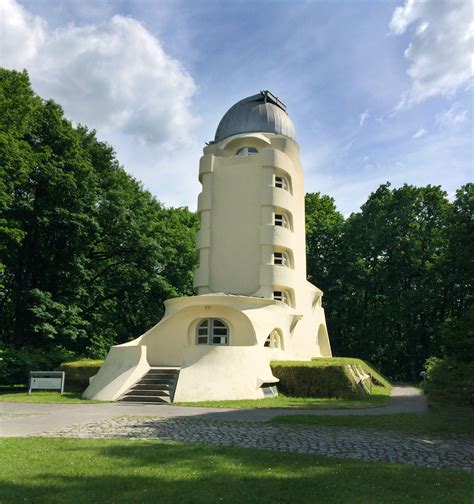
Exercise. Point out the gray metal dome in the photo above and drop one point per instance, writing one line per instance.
(261, 112)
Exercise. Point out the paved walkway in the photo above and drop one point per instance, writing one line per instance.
(239, 427)
(26, 419)
(351, 443)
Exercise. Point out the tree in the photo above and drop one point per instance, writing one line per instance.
(87, 255)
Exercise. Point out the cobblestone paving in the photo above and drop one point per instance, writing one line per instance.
(336, 442)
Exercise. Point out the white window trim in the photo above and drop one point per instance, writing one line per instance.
(282, 182)
(246, 151)
(281, 220)
(274, 341)
(210, 326)
(285, 259)
(281, 295)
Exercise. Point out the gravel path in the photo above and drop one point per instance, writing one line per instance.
(351, 443)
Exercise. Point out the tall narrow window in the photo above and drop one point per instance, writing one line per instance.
(281, 259)
(281, 296)
(246, 151)
(212, 332)
(282, 183)
(282, 220)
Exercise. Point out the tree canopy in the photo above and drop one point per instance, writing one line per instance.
(87, 256)
(393, 273)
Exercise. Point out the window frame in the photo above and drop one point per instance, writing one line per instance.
(285, 258)
(281, 220)
(282, 182)
(209, 329)
(246, 150)
(283, 296)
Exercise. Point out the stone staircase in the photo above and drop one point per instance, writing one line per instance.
(156, 387)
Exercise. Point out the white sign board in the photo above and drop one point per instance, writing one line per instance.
(46, 383)
(46, 380)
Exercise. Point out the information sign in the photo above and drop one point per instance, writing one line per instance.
(46, 380)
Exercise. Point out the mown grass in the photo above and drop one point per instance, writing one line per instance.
(58, 470)
(380, 397)
(380, 394)
(344, 361)
(43, 396)
(443, 422)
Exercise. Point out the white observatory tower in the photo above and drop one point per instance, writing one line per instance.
(254, 304)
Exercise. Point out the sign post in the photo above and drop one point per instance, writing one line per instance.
(46, 380)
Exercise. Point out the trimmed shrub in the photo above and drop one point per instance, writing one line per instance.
(16, 363)
(312, 381)
(449, 381)
(79, 372)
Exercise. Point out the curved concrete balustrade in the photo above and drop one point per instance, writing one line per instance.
(203, 238)
(271, 274)
(206, 165)
(277, 235)
(277, 197)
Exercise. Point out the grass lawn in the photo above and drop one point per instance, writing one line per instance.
(339, 361)
(380, 394)
(380, 397)
(58, 470)
(445, 422)
(43, 396)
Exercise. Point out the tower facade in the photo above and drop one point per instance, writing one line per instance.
(252, 236)
(253, 303)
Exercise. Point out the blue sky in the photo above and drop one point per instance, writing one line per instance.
(378, 90)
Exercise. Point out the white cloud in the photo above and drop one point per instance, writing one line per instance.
(419, 133)
(113, 76)
(453, 116)
(440, 52)
(21, 34)
(363, 117)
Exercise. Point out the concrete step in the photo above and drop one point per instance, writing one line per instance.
(160, 376)
(156, 381)
(156, 387)
(152, 386)
(135, 392)
(146, 399)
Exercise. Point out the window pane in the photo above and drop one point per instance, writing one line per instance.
(220, 331)
(202, 340)
(218, 323)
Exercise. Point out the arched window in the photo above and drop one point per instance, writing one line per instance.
(274, 340)
(246, 151)
(212, 332)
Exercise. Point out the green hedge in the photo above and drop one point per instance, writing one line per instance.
(16, 363)
(449, 381)
(79, 372)
(314, 381)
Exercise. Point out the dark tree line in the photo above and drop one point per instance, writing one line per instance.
(87, 256)
(395, 274)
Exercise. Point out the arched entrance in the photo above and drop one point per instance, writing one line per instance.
(323, 342)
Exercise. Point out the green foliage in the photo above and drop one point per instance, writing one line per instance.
(307, 381)
(15, 364)
(87, 256)
(393, 273)
(449, 381)
(77, 373)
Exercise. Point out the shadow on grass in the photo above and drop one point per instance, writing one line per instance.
(89, 471)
